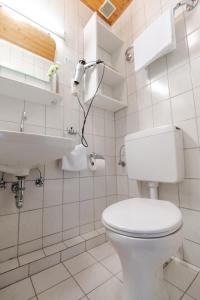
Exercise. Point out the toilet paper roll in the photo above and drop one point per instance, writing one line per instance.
(97, 164)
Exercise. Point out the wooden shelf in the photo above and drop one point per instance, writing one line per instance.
(20, 90)
(107, 103)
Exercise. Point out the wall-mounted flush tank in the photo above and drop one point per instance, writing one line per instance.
(155, 155)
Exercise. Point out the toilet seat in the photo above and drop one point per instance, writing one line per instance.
(143, 218)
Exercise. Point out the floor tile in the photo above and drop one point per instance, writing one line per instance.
(179, 274)
(22, 290)
(111, 290)
(102, 251)
(66, 290)
(79, 263)
(120, 276)
(9, 265)
(112, 263)
(194, 290)
(33, 256)
(186, 297)
(92, 277)
(173, 292)
(50, 277)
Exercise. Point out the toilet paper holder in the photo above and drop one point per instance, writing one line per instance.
(94, 156)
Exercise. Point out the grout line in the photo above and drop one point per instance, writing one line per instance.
(54, 285)
(74, 279)
(33, 285)
(185, 293)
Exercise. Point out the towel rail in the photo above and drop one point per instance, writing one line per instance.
(190, 5)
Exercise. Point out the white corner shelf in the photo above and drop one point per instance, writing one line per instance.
(106, 102)
(111, 76)
(24, 91)
(101, 43)
(106, 38)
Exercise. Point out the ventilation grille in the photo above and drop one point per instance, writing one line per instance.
(107, 9)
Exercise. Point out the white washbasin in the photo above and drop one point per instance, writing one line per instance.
(20, 151)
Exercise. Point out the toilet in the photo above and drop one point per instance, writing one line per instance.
(146, 232)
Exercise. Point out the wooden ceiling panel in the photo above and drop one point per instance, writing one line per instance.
(121, 5)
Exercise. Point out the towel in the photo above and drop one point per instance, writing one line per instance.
(157, 40)
(75, 160)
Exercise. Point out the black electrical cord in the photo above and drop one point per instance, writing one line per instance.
(83, 139)
(81, 105)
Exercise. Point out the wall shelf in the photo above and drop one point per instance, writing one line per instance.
(21, 90)
(101, 43)
(111, 76)
(108, 103)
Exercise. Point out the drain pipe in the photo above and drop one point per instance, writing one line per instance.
(18, 189)
(153, 189)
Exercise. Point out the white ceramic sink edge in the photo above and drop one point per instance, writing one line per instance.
(21, 151)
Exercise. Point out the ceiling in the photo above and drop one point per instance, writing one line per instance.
(121, 5)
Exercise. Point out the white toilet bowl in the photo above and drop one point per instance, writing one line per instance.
(145, 234)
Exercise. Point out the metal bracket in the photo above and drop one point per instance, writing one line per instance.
(190, 4)
(94, 156)
(71, 130)
(129, 54)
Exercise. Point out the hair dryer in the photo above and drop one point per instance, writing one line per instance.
(81, 67)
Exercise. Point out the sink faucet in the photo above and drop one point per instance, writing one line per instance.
(23, 118)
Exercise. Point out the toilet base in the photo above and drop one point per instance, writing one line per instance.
(142, 264)
(143, 285)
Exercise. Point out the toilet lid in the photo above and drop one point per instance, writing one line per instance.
(142, 217)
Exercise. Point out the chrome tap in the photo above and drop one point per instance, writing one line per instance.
(23, 118)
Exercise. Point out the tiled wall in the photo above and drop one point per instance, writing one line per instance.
(69, 203)
(168, 92)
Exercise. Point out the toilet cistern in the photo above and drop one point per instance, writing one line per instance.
(146, 232)
(155, 155)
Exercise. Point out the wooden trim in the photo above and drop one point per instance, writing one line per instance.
(25, 35)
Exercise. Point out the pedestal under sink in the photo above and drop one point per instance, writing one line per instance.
(20, 151)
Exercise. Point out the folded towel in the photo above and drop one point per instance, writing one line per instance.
(157, 40)
(75, 160)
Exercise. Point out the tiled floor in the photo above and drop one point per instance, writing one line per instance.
(96, 275)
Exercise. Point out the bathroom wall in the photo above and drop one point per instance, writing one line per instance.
(167, 92)
(69, 204)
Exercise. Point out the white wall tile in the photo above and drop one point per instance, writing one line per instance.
(86, 212)
(191, 225)
(52, 220)
(71, 190)
(30, 226)
(70, 215)
(86, 188)
(189, 194)
(8, 230)
(192, 163)
(53, 192)
(183, 107)
(180, 81)
(99, 187)
(190, 134)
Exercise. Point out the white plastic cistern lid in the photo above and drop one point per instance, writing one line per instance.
(142, 217)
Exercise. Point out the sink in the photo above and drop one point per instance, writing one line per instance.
(20, 151)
